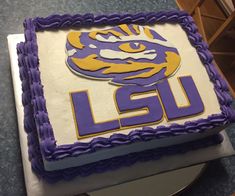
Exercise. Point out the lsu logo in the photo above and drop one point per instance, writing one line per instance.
(137, 58)
(125, 54)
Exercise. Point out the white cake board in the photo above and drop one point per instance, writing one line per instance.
(140, 179)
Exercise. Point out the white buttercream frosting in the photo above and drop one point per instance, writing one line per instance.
(92, 46)
(71, 52)
(112, 54)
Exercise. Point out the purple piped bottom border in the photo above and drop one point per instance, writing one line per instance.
(113, 163)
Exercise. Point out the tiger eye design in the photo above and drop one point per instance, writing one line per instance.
(128, 48)
(124, 54)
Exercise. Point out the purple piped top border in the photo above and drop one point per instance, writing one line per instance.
(28, 56)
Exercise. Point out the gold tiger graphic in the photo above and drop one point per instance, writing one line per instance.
(125, 54)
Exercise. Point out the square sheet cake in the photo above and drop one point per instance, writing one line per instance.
(102, 92)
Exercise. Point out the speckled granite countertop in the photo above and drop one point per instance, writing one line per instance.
(217, 180)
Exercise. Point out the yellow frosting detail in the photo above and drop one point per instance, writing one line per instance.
(127, 48)
(90, 63)
(136, 28)
(93, 34)
(74, 39)
(148, 33)
(171, 64)
(126, 29)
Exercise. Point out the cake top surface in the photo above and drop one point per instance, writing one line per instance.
(103, 71)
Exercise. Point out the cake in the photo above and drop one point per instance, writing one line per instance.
(103, 92)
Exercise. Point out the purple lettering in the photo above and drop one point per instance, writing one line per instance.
(154, 111)
(172, 110)
(126, 104)
(84, 119)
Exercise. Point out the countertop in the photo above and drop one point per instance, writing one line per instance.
(218, 178)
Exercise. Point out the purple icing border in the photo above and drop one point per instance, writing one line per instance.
(35, 104)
